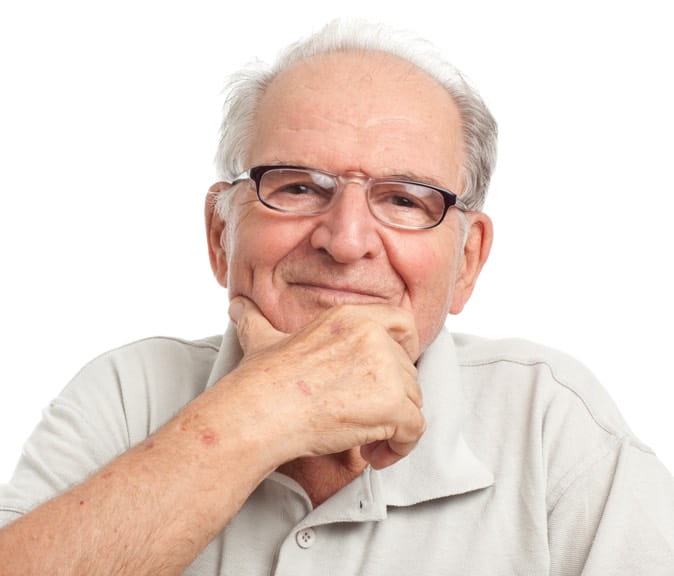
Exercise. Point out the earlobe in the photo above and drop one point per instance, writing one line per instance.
(475, 253)
(216, 233)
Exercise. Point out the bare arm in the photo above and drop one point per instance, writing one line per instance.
(346, 380)
(150, 511)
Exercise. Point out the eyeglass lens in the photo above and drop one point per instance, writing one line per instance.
(311, 192)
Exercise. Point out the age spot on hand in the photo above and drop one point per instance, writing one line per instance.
(189, 421)
(304, 387)
(208, 437)
(336, 327)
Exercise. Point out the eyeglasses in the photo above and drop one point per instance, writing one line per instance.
(305, 191)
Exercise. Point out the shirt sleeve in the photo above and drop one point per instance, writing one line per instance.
(80, 431)
(116, 401)
(616, 519)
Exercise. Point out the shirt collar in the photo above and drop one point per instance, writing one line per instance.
(441, 464)
(228, 357)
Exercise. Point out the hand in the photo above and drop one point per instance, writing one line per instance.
(345, 380)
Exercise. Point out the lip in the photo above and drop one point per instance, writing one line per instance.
(341, 291)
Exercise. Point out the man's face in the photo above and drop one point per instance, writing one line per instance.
(373, 114)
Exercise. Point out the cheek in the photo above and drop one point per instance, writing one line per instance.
(431, 287)
(258, 244)
(430, 272)
(430, 276)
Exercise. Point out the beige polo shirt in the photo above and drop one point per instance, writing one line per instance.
(526, 468)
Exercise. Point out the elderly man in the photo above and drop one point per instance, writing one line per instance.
(336, 428)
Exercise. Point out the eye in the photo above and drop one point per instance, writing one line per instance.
(403, 201)
(399, 198)
(406, 204)
(298, 189)
(299, 194)
(294, 191)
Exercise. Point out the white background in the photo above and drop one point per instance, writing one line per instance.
(108, 121)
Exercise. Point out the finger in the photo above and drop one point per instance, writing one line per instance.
(255, 332)
(415, 394)
(377, 454)
(411, 382)
(408, 339)
(385, 452)
(398, 323)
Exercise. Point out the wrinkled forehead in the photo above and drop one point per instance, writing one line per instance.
(358, 110)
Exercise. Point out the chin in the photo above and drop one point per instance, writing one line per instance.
(289, 318)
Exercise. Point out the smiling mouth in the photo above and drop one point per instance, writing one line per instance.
(336, 292)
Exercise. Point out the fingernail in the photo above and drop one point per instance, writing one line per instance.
(235, 310)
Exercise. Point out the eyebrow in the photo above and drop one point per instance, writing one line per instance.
(416, 178)
(412, 176)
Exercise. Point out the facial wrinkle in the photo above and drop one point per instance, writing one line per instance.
(362, 277)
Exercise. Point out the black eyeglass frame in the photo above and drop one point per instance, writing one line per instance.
(256, 173)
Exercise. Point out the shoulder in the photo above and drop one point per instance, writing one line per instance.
(154, 357)
(162, 348)
(544, 403)
(112, 403)
(479, 351)
(484, 353)
(144, 382)
(526, 367)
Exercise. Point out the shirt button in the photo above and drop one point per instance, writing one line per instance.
(306, 538)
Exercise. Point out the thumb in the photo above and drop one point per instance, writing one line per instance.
(255, 332)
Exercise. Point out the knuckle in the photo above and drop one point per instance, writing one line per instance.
(370, 336)
(414, 426)
(243, 331)
(421, 424)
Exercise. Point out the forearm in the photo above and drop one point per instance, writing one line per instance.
(153, 509)
(342, 382)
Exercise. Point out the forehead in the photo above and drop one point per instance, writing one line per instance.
(366, 111)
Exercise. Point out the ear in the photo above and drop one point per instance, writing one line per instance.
(475, 254)
(216, 234)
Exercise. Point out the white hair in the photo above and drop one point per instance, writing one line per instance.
(246, 88)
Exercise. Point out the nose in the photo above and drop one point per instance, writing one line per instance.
(348, 231)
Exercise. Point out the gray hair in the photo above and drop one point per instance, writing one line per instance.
(246, 88)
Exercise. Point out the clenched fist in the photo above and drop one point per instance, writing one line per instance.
(345, 380)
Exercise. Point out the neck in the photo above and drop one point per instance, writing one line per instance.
(323, 476)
